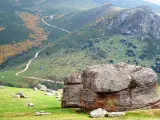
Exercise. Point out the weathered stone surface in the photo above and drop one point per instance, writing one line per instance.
(98, 113)
(105, 78)
(73, 79)
(113, 78)
(119, 87)
(71, 96)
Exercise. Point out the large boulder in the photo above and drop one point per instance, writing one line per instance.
(113, 78)
(71, 96)
(71, 91)
(117, 87)
(73, 79)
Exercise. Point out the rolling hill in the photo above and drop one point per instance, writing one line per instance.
(125, 36)
(105, 34)
(20, 21)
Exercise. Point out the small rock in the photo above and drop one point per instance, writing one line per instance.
(57, 96)
(41, 87)
(35, 88)
(52, 91)
(58, 99)
(16, 96)
(116, 114)
(21, 95)
(1, 87)
(42, 113)
(48, 94)
(98, 113)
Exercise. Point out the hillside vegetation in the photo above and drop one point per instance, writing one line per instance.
(20, 28)
(36, 38)
(110, 38)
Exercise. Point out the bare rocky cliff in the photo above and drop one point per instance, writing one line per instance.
(140, 21)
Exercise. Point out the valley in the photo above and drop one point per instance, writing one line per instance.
(84, 41)
(65, 44)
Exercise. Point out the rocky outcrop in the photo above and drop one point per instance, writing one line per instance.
(141, 21)
(117, 87)
(71, 91)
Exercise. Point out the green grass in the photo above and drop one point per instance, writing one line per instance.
(9, 78)
(68, 59)
(16, 109)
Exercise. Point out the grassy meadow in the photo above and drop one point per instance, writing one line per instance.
(16, 109)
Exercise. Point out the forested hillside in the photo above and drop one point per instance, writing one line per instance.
(20, 23)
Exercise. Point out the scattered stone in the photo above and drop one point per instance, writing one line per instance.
(53, 92)
(116, 114)
(58, 99)
(98, 113)
(1, 87)
(48, 90)
(41, 87)
(21, 95)
(16, 96)
(35, 88)
(48, 94)
(42, 113)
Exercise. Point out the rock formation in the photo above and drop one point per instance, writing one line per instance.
(119, 87)
(141, 21)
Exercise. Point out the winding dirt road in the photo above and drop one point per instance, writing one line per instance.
(55, 26)
(36, 55)
(27, 66)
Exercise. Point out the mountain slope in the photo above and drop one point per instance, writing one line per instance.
(74, 21)
(20, 23)
(125, 36)
(130, 3)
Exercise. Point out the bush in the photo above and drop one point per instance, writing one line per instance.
(130, 53)
(111, 61)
